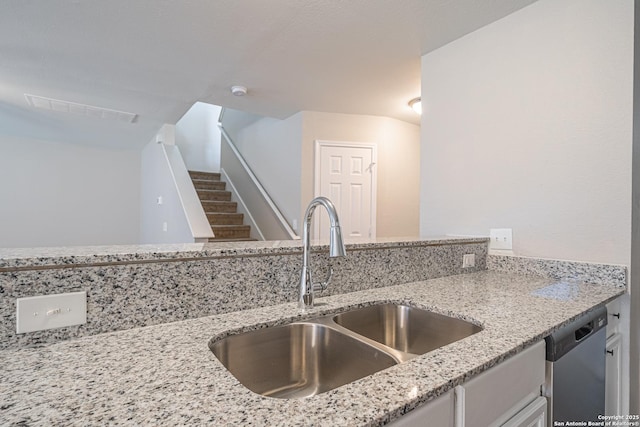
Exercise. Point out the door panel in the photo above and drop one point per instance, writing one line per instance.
(356, 197)
(336, 165)
(346, 177)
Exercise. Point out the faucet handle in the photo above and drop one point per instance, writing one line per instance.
(319, 287)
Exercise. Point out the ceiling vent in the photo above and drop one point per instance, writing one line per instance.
(81, 109)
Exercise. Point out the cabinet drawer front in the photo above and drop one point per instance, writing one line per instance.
(498, 394)
(438, 412)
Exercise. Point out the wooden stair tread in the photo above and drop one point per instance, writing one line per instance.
(214, 195)
(220, 202)
(213, 240)
(225, 218)
(231, 227)
(208, 191)
(212, 206)
(231, 231)
(204, 180)
(210, 176)
(210, 185)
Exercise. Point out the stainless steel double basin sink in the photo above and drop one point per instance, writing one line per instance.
(309, 357)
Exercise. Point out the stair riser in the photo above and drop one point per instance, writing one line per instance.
(225, 219)
(221, 196)
(205, 175)
(239, 232)
(226, 207)
(219, 185)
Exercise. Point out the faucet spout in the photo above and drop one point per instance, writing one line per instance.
(336, 249)
(336, 244)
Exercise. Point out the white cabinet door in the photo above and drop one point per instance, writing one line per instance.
(498, 394)
(613, 385)
(614, 308)
(507, 395)
(534, 415)
(437, 413)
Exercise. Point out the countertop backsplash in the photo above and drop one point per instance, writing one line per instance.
(129, 287)
(135, 286)
(599, 274)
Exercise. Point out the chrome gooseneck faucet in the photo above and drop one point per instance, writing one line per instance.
(336, 249)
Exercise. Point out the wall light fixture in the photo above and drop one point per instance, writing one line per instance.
(416, 105)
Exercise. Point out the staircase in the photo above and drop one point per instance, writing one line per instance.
(226, 223)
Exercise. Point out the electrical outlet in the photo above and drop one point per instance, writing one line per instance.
(164, 226)
(468, 260)
(50, 311)
(501, 239)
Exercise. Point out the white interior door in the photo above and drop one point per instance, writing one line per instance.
(345, 173)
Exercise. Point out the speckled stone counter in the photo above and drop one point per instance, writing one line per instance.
(558, 269)
(166, 374)
(137, 286)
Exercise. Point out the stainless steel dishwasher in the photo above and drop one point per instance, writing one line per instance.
(575, 370)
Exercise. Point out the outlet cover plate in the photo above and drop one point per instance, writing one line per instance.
(468, 260)
(50, 311)
(501, 239)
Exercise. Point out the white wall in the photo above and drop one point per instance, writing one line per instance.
(272, 148)
(235, 120)
(398, 164)
(281, 154)
(58, 194)
(156, 181)
(198, 137)
(527, 124)
(170, 209)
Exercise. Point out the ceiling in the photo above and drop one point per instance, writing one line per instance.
(155, 58)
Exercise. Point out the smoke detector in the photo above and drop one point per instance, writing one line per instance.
(239, 90)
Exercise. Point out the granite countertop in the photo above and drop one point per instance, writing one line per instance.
(166, 374)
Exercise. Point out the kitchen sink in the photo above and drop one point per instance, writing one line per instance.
(298, 359)
(404, 328)
(306, 358)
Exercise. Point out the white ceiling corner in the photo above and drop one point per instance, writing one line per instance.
(157, 58)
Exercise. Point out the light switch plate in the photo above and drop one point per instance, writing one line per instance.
(50, 311)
